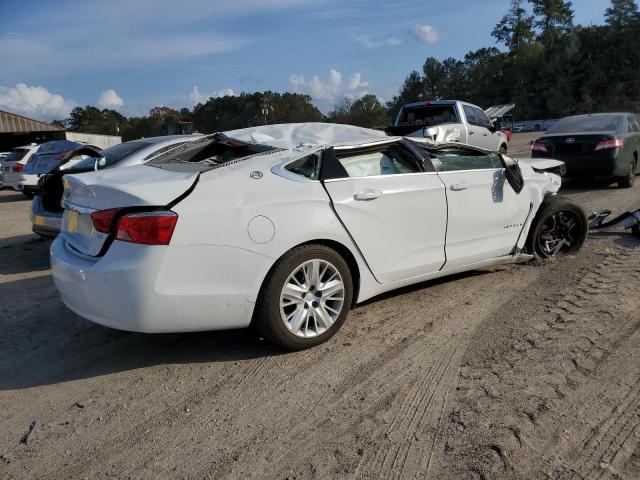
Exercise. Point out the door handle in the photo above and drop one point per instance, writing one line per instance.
(456, 187)
(368, 195)
(472, 133)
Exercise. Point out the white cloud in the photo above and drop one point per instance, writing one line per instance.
(225, 92)
(110, 99)
(196, 96)
(356, 82)
(326, 94)
(35, 102)
(370, 42)
(426, 33)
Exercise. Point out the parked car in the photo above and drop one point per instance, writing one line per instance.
(597, 146)
(13, 175)
(60, 160)
(288, 226)
(2, 156)
(450, 121)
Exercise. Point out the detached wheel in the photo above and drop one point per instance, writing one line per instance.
(560, 228)
(305, 299)
(628, 180)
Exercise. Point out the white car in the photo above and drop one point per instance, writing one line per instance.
(288, 226)
(13, 175)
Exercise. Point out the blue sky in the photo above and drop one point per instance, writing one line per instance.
(132, 55)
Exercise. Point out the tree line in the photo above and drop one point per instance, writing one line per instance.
(544, 63)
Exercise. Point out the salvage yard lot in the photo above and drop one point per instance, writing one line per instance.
(518, 372)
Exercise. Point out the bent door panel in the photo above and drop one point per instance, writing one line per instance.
(485, 215)
(399, 222)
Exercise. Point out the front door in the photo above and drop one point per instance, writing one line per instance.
(486, 215)
(394, 210)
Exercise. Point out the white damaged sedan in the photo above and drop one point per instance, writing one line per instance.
(288, 226)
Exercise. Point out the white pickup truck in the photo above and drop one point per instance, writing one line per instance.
(450, 121)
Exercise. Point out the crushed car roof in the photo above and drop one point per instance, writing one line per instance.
(289, 136)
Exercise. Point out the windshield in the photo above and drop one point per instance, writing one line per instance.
(15, 155)
(428, 115)
(589, 123)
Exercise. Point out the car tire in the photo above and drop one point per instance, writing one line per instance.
(503, 149)
(559, 228)
(308, 319)
(629, 179)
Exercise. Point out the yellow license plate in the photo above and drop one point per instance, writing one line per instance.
(74, 220)
(38, 220)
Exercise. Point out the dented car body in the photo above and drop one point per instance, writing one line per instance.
(287, 226)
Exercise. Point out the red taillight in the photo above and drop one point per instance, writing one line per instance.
(539, 147)
(148, 228)
(18, 167)
(610, 144)
(103, 219)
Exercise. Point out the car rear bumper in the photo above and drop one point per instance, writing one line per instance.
(44, 222)
(160, 289)
(20, 182)
(586, 166)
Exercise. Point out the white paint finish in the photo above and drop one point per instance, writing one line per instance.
(485, 215)
(293, 135)
(261, 229)
(161, 289)
(210, 275)
(399, 225)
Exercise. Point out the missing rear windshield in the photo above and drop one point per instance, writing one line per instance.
(208, 153)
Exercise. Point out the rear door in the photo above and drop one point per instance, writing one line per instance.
(486, 216)
(395, 211)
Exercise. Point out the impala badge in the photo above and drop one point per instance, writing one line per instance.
(256, 175)
(571, 140)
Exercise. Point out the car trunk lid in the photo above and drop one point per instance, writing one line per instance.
(578, 144)
(139, 187)
(56, 155)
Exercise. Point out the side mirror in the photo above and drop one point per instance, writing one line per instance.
(512, 173)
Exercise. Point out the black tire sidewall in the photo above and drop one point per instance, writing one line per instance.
(271, 323)
(551, 206)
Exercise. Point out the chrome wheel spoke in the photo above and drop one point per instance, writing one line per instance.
(312, 298)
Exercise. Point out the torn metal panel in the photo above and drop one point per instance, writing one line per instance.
(628, 220)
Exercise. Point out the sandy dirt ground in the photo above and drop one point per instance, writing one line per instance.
(517, 372)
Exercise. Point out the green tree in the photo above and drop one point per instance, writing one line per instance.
(435, 79)
(622, 14)
(412, 90)
(515, 29)
(366, 111)
(554, 18)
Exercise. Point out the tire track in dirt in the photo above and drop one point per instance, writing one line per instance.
(567, 350)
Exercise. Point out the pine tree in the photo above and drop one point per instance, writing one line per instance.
(553, 18)
(516, 27)
(622, 13)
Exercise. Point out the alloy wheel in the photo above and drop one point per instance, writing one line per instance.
(312, 298)
(559, 234)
